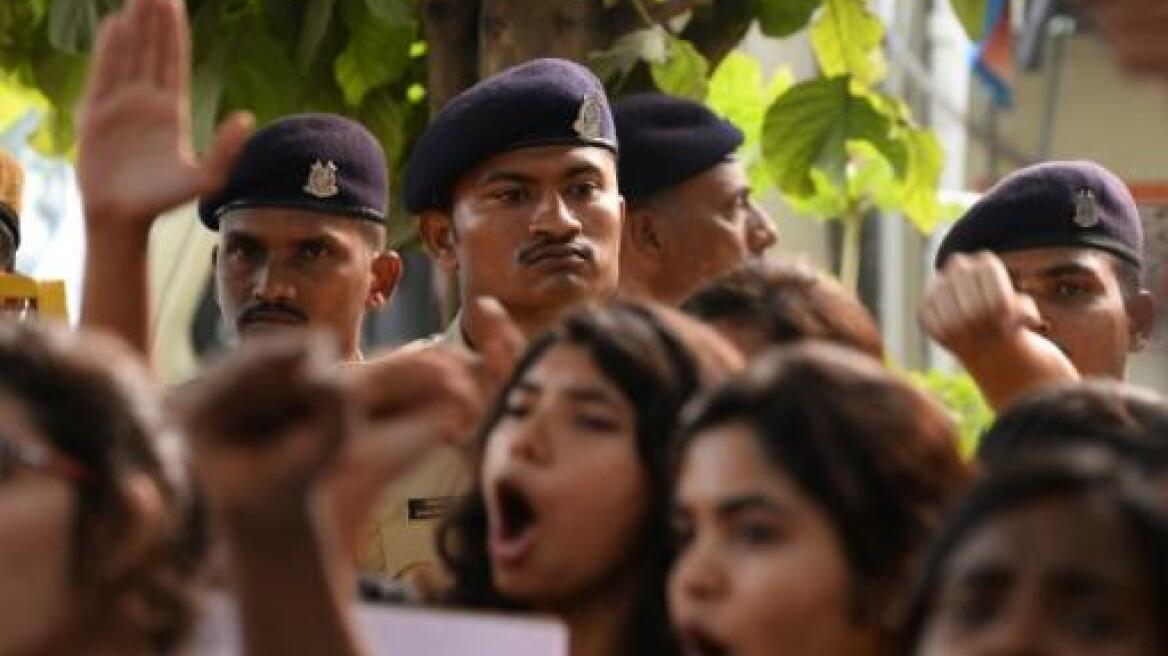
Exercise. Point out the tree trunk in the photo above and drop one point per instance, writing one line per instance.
(514, 31)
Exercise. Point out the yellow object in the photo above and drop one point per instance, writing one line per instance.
(25, 299)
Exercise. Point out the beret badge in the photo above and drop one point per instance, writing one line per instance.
(588, 120)
(322, 180)
(1086, 212)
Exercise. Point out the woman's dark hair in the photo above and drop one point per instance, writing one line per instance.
(876, 455)
(658, 359)
(1091, 474)
(788, 302)
(1126, 420)
(90, 398)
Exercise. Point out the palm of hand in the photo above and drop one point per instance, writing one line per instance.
(134, 150)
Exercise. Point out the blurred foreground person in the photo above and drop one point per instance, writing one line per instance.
(805, 492)
(1061, 558)
(96, 546)
(568, 516)
(764, 304)
(690, 212)
(272, 431)
(1041, 281)
(1126, 420)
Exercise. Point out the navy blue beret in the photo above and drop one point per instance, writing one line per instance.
(538, 103)
(1074, 204)
(319, 162)
(666, 140)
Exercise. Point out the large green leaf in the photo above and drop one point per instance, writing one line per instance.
(382, 114)
(683, 73)
(846, 39)
(972, 14)
(262, 75)
(649, 45)
(393, 11)
(378, 52)
(926, 161)
(810, 125)
(781, 18)
(318, 18)
(72, 24)
(738, 93)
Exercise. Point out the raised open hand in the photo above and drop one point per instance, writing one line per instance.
(135, 158)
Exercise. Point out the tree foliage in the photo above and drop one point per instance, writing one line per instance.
(368, 59)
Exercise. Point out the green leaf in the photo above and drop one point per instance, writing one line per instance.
(647, 45)
(781, 18)
(826, 200)
(378, 52)
(961, 396)
(318, 18)
(846, 40)
(382, 115)
(683, 73)
(810, 125)
(972, 14)
(737, 92)
(926, 161)
(262, 75)
(72, 25)
(392, 11)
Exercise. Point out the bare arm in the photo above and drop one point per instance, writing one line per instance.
(973, 311)
(135, 160)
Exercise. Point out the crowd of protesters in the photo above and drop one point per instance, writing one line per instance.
(637, 426)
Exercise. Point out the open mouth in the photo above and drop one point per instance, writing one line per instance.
(695, 641)
(511, 538)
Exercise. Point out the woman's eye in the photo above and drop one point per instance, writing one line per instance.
(516, 410)
(970, 611)
(682, 534)
(1093, 624)
(596, 423)
(752, 533)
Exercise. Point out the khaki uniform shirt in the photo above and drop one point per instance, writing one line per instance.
(401, 536)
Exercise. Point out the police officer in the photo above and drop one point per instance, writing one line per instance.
(299, 205)
(11, 188)
(1040, 281)
(515, 186)
(691, 216)
(514, 183)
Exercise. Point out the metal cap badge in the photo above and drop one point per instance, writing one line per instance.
(588, 120)
(322, 180)
(1086, 210)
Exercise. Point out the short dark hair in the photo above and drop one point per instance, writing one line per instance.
(875, 454)
(659, 359)
(1125, 419)
(788, 302)
(91, 399)
(1086, 473)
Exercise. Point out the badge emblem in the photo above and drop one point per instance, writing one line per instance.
(587, 125)
(322, 180)
(1086, 211)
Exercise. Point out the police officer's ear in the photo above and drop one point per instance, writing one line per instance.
(387, 272)
(1141, 312)
(436, 229)
(642, 232)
